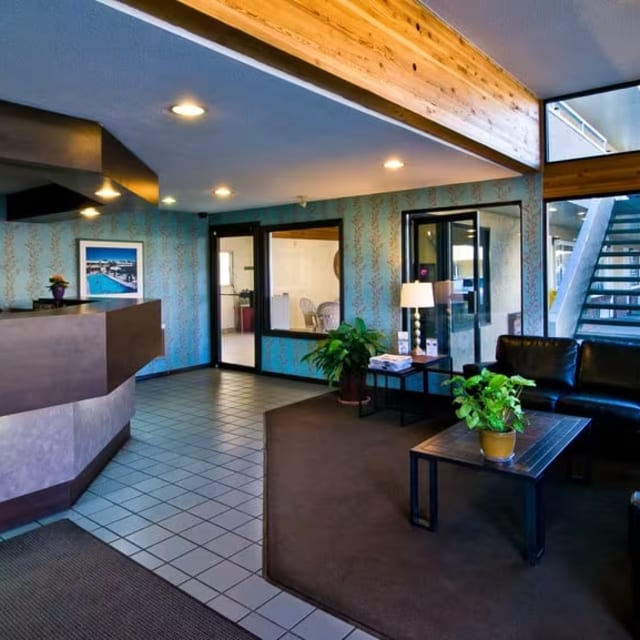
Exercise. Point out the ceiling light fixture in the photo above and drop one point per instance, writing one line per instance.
(222, 191)
(393, 164)
(168, 200)
(107, 191)
(89, 212)
(188, 110)
(553, 209)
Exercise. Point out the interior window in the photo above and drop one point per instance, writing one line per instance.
(304, 284)
(594, 124)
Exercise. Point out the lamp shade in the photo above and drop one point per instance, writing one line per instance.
(416, 295)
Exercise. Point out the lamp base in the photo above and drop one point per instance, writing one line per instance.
(417, 351)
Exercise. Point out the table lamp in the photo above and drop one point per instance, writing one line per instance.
(416, 295)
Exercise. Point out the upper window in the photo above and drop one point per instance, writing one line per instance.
(303, 284)
(594, 124)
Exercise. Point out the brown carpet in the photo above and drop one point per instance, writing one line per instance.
(61, 583)
(338, 535)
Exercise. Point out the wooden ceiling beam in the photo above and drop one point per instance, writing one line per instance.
(395, 58)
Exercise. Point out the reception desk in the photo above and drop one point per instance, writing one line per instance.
(67, 394)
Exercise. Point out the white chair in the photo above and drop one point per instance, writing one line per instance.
(329, 315)
(310, 314)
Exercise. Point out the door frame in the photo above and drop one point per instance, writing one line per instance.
(449, 213)
(227, 231)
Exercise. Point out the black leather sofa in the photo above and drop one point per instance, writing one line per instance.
(597, 379)
(634, 553)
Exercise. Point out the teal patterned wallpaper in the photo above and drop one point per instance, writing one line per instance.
(176, 261)
(175, 270)
(372, 252)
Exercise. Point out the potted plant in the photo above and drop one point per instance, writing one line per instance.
(57, 285)
(490, 402)
(343, 357)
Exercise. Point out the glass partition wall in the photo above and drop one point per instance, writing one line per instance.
(472, 257)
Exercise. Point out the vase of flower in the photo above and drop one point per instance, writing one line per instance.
(58, 292)
(57, 286)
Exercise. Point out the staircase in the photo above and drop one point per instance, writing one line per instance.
(611, 308)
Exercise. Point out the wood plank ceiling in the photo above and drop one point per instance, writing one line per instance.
(397, 59)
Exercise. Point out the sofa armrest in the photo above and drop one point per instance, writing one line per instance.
(474, 368)
(634, 552)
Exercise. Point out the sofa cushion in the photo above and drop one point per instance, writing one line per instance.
(607, 410)
(610, 368)
(551, 362)
(539, 398)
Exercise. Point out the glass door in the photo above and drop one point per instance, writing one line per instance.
(446, 254)
(234, 317)
(473, 260)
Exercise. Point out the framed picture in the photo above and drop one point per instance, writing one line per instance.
(110, 269)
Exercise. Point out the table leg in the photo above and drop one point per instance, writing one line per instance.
(430, 522)
(534, 522)
(403, 395)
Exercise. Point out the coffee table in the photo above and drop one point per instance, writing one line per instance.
(545, 438)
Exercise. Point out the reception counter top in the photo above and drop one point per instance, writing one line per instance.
(67, 395)
(55, 356)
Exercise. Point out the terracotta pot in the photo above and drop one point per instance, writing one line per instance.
(497, 446)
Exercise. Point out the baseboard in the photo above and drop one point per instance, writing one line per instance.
(170, 372)
(40, 504)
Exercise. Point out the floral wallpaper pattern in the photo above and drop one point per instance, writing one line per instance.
(176, 261)
(175, 270)
(372, 253)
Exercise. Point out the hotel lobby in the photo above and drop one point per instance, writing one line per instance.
(287, 161)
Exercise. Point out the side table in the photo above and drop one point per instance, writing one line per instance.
(375, 405)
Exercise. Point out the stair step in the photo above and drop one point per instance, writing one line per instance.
(615, 279)
(613, 292)
(631, 216)
(626, 232)
(619, 254)
(607, 336)
(611, 322)
(633, 266)
(618, 243)
(611, 307)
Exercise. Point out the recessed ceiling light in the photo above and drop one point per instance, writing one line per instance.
(108, 192)
(168, 200)
(89, 212)
(187, 109)
(222, 191)
(553, 209)
(393, 164)
(580, 213)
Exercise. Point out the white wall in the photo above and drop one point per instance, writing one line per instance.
(303, 269)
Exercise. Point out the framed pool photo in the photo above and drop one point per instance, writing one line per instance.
(110, 269)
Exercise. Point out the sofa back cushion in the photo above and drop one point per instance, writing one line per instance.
(549, 361)
(610, 367)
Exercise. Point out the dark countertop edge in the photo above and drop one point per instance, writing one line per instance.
(88, 306)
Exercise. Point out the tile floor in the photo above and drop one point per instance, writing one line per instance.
(184, 498)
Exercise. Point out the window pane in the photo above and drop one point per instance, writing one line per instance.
(593, 268)
(593, 125)
(304, 282)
